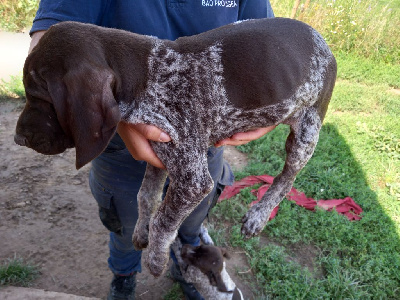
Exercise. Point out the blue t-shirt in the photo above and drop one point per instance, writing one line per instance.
(166, 19)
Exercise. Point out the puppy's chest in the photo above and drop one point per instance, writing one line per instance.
(190, 84)
(184, 94)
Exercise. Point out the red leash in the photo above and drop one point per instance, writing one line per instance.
(345, 206)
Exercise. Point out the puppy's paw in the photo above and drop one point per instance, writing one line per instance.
(157, 262)
(139, 242)
(140, 237)
(254, 222)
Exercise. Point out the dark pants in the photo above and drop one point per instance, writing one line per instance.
(115, 179)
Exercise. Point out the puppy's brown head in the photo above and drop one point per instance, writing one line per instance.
(209, 260)
(70, 101)
(38, 128)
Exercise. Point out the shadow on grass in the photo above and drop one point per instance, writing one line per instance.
(358, 259)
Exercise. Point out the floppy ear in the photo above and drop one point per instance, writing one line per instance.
(224, 252)
(86, 109)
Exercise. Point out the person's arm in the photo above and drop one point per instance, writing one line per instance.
(35, 39)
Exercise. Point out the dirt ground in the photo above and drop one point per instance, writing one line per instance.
(49, 218)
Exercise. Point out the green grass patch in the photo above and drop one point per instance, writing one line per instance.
(363, 98)
(367, 28)
(174, 293)
(16, 271)
(13, 88)
(362, 70)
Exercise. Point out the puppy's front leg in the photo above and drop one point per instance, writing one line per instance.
(190, 182)
(149, 197)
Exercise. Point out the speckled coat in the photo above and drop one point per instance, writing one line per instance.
(198, 89)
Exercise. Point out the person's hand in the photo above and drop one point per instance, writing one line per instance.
(242, 138)
(136, 138)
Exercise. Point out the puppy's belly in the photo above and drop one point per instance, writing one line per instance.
(234, 120)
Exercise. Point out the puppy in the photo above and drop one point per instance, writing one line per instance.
(81, 80)
(205, 268)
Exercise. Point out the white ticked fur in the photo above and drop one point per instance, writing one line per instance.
(152, 105)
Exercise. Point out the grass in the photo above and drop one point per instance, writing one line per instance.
(174, 293)
(357, 155)
(13, 88)
(367, 28)
(16, 271)
(17, 15)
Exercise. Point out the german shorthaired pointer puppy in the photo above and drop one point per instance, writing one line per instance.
(81, 80)
(205, 268)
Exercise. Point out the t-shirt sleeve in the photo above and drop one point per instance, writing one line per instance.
(255, 9)
(51, 12)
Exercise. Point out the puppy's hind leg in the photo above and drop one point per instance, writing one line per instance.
(300, 146)
(149, 197)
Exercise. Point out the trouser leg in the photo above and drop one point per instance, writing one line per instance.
(115, 179)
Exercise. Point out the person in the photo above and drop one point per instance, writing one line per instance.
(116, 175)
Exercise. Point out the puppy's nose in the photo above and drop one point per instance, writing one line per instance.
(20, 140)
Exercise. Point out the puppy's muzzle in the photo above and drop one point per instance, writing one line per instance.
(43, 145)
(21, 140)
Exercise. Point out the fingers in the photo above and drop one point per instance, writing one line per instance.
(252, 135)
(136, 139)
(151, 132)
(242, 138)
